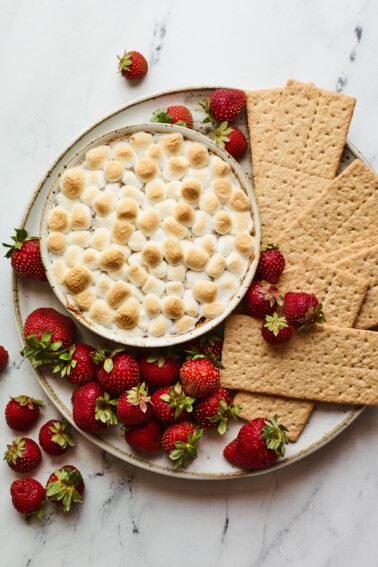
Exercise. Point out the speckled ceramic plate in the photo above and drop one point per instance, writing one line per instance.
(326, 421)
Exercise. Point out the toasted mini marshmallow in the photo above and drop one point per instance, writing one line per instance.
(77, 279)
(101, 313)
(241, 222)
(152, 254)
(227, 283)
(105, 203)
(175, 168)
(192, 277)
(59, 270)
(216, 266)
(155, 152)
(235, 263)
(125, 154)
(175, 288)
(202, 224)
(209, 203)
(159, 326)
(173, 251)
(80, 238)
(95, 178)
(85, 299)
(204, 291)
(174, 189)
(89, 195)
(122, 231)
(72, 182)
(172, 307)
(165, 208)
(103, 285)
(195, 259)
(208, 243)
(152, 304)
(132, 192)
(130, 179)
(225, 245)
(137, 275)
(146, 169)
(218, 167)
(81, 218)
(148, 222)
(222, 188)
(172, 144)
(58, 220)
(96, 157)
(201, 175)
(222, 222)
(176, 273)
(239, 201)
(100, 239)
(140, 141)
(154, 285)
(72, 255)
(184, 214)
(56, 242)
(212, 310)
(136, 241)
(112, 259)
(127, 209)
(185, 324)
(118, 294)
(127, 315)
(191, 305)
(191, 191)
(244, 243)
(91, 259)
(173, 228)
(197, 155)
(155, 190)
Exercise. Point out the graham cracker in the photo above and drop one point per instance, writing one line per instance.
(350, 250)
(293, 414)
(329, 364)
(343, 213)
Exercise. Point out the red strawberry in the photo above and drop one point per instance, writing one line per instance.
(4, 358)
(261, 441)
(28, 496)
(276, 329)
(233, 455)
(22, 412)
(179, 115)
(224, 105)
(271, 264)
(25, 256)
(231, 139)
(132, 65)
(214, 410)
(134, 406)
(65, 487)
(47, 331)
(23, 455)
(117, 371)
(179, 440)
(211, 344)
(302, 310)
(92, 408)
(55, 437)
(171, 404)
(76, 364)
(262, 299)
(146, 437)
(199, 376)
(159, 369)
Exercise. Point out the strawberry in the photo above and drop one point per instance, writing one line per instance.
(271, 264)
(214, 410)
(276, 329)
(146, 437)
(22, 412)
(28, 496)
(76, 364)
(23, 455)
(55, 437)
(179, 115)
(231, 139)
(65, 487)
(260, 442)
(199, 376)
(92, 408)
(233, 455)
(25, 256)
(224, 105)
(117, 371)
(179, 440)
(303, 310)
(134, 406)
(210, 345)
(262, 299)
(171, 404)
(159, 369)
(132, 65)
(4, 358)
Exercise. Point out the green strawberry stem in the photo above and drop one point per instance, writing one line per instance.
(43, 351)
(221, 134)
(20, 237)
(28, 401)
(275, 436)
(184, 452)
(313, 315)
(178, 399)
(195, 354)
(275, 323)
(224, 411)
(104, 411)
(124, 62)
(64, 489)
(61, 435)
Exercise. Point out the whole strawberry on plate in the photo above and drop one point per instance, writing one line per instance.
(179, 440)
(214, 411)
(262, 299)
(209, 344)
(134, 407)
(171, 404)
(132, 65)
(55, 437)
(4, 358)
(117, 371)
(231, 139)
(28, 496)
(25, 255)
(276, 329)
(145, 437)
(178, 114)
(65, 487)
(23, 455)
(224, 105)
(200, 376)
(92, 408)
(22, 412)
(271, 264)
(159, 368)
(303, 310)
(76, 364)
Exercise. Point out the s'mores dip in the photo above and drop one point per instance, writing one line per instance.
(150, 234)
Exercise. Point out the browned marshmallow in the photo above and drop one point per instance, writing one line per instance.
(77, 279)
(105, 203)
(146, 169)
(239, 201)
(173, 228)
(222, 222)
(118, 294)
(184, 214)
(173, 307)
(58, 220)
(211, 310)
(205, 292)
(56, 242)
(96, 157)
(223, 189)
(152, 254)
(81, 217)
(197, 155)
(172, 144)
(112, 260)
(244, 243)
(155, 190)
(85, 299)
(121, 231)
(114, 171)
(195, 259)
(148, 222)
(127, 315)
(72, 182)
(127, 209)
(173, 251)
(191, 190)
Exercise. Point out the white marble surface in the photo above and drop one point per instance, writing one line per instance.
(58, 63)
